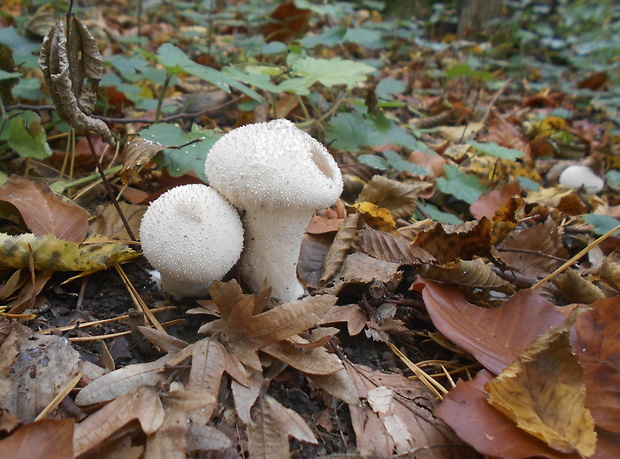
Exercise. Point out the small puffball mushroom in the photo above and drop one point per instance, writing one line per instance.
(192, 236)
(279, 176)
(578, 176)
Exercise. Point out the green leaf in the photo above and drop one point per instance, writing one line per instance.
(437, 215)
(252, 75)
(176, 61)
(375, 161)
(9, 75)
(28, 88)
(389, 86)
(330, 72)
(602, 223)
(190, 157)
(494, 149)
(460, 70)
(460, 185)
(25, 135)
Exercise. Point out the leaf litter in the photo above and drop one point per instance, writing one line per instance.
(450, 218)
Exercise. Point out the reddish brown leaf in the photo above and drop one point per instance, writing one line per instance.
(597, 344)
(43, 211)
(491, 201)
(387, 247)
(466, 410)
(594, 81)
(287, 23)
(504, 133)
(495, 337)
(45, 439)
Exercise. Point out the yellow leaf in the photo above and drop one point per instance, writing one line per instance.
(377, 217)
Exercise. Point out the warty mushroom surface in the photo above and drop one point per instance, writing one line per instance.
(192, 236)
(279, 175)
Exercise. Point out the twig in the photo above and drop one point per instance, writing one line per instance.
(109, 188)
(533, 252)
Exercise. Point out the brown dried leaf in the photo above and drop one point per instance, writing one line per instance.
(490, 201)
(597, 344)
(359, 268)
(287, 22)
(404, 424)
(352, 314)
(338, 385)
(109, 224)
(50, 358)
(399, 198)
(45, 439)
(447, 243)
(507, 135)
(466, 411)
(312, 255)
(313, 361)
(137, 152)
(58, 65)
(575, 288)
(43, 211)
(543, 393)
(543, 238)
(339, 248)
(387, 247)
(118, 382)
(469, 273)
(141, 403)
(162, 340)
(225, 295)
(495, 337)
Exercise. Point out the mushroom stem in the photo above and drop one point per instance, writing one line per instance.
(271, 251)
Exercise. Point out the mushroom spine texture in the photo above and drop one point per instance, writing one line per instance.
(279, 175)
(192, 236)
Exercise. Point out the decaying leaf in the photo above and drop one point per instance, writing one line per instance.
(391, 248)
(36, 369)
(399, 198)
(397, 418)
(495, 337)
(375, 216)
(342, 244)
(489, 202)
(469, 273)
(339, 385)
(597, 344)
(137, 152)
(543, 393)
(43, 211)
(574, 288)
(466, 410)
(44, 439)
(352, 314)
(141, 403)
(72, 69)
(271, 426)
(359, 268)
(108, 223)
(50, 253)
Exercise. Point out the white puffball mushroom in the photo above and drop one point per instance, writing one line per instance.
(578, 176)
(279, 175)
(192, 236)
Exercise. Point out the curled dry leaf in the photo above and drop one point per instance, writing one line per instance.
(399, 198)
(49, 253)
(375, 216)
(495, 337)
(359, 268)
(43, 211)
(574, 288)
(387, 247)
(72, 69)
(466, 410)
(469, 273)
(339, 248)
(137, 152)
(108, 223)
(544, 394)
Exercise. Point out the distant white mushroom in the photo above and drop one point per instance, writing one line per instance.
(279, 176)
(578, 176)
(192, 236)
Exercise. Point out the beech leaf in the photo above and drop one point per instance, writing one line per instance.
(44, 439)
(399, 198)
(387, 247)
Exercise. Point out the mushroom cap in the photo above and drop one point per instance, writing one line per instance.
(273, 164)
(192, 235)
(578, 176)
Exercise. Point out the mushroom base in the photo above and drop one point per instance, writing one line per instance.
(272, 243)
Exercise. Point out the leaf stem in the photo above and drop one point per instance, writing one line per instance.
(160, 101)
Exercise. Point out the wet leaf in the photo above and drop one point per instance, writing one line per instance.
(399, 198)
(45, 439)
(543, 393)
(50, 253)
(43, 211)
(495, 337)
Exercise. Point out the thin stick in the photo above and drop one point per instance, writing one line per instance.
(429, 382)
(59, 397)
(82, 339)
(137, 300)
(574, 259)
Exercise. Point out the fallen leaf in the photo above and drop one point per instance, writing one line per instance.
(287, 22)
(375, 216)
(469, 273)
(339, 248)
(495, 337)
(574, 288)
(359, 268)
(43, 211)
(108, 223)
(44, 439)
(543, 393)
(490, 201)
(399, 198)
(466, 410)
(391, 248)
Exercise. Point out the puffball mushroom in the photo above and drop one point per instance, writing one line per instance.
(578, 176)
(279, 175)
(192, 236)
